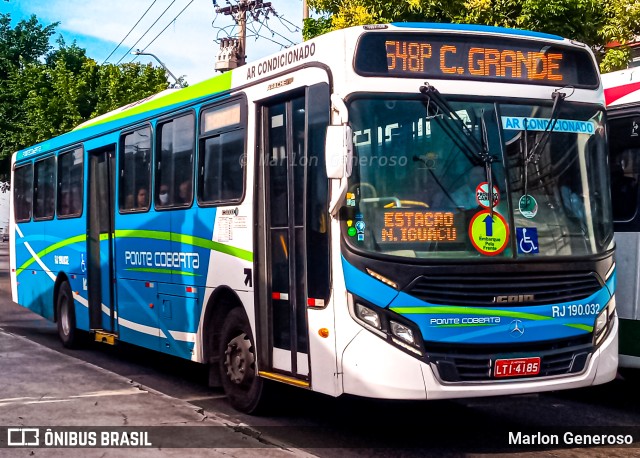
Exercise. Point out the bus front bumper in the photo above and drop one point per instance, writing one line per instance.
(373, 368)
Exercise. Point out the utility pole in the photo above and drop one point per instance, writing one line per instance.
(233, 51)
(305, 10)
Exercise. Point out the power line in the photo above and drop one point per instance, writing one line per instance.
(283, 20)
(129, 32)
(147, 31)
(167, 26)
(273, 32)
(258, 35)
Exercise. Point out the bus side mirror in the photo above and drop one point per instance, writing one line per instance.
(339, 151)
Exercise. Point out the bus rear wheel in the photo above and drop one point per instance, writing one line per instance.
(66, 316)
(240, 380)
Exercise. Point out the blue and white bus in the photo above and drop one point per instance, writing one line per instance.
(402, 211)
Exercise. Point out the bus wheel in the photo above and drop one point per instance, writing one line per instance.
(240, 380)
(66, 316)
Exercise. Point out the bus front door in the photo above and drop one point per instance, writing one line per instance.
(100, 229)
(283, 332)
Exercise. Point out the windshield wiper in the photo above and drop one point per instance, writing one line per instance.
(477, 151)
(462, 135)
(533, 155)
(488, 159)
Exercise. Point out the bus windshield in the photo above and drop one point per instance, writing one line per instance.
(420, 181)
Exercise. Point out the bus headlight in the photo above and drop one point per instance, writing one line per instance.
(387, 325)
(403, 332)
(368, 316)
(603, 321)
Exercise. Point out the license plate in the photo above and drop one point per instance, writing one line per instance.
(518, 367)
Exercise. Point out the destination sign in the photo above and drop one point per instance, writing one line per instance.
(418, 226)
(474, 57)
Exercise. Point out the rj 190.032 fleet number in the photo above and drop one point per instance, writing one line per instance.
(560, 311)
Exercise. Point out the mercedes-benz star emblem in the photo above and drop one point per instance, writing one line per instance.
(516, 328)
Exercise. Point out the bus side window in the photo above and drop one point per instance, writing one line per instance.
(23, 192)
(135, 170)
(70, 170)
(44, 186)
(222, 155)
(174, 167)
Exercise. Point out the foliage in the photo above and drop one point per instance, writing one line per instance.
(315, 27)
(48, 91)
(24, 44)
(118, 85)
(593, 22)
(615, 59)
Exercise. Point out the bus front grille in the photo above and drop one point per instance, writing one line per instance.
(465, 363)
(505, 289)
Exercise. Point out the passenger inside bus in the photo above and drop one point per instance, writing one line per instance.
(163, 195)
(142, 199)
(184, 192)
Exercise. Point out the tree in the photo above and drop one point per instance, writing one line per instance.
(593, 22)
(19, 46)
(119, 85)
(24, 44)
(48, 91)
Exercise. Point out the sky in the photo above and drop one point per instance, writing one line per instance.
(186, 47)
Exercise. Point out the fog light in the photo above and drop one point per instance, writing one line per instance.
(402, 332)
(368, 316)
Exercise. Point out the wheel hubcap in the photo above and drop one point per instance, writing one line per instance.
(64, 317)
(239, 359)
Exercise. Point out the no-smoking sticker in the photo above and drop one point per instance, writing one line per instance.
(489, 235)
(482, 195)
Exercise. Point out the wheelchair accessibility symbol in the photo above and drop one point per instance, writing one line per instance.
(527, 238)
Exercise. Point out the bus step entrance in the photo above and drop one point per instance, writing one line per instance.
(105, 337)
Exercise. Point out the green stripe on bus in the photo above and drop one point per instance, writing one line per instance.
(51, 249)
(156, 235)
(468, 311)
(188, 240)
(211, 86)
(467, 325)
(163, 271)
(584, 327)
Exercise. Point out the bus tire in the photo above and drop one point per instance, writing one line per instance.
(66, 316)
(238, 373)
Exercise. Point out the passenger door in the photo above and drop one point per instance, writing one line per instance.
(292, 237)
(100, 230)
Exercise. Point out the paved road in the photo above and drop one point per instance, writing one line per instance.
(352, 427)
